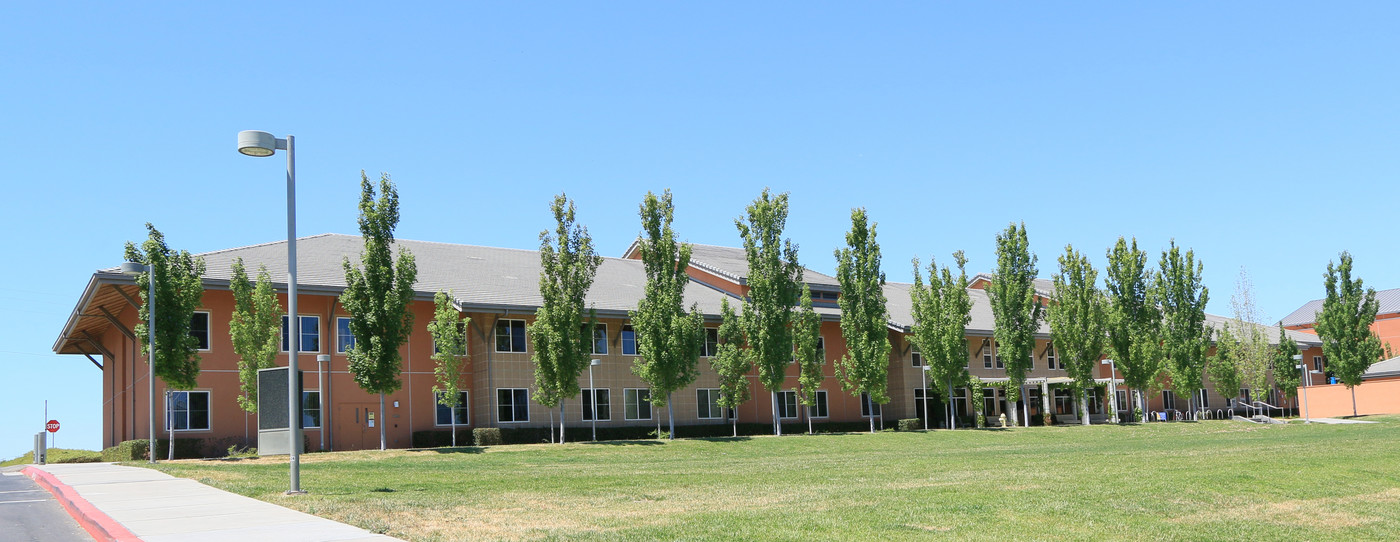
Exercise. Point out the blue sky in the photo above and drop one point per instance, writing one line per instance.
(1262, 134)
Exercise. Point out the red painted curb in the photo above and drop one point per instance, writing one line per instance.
(99, 525)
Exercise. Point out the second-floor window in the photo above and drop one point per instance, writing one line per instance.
(711, 344)
(600, 339)
(309, 339)
(510, 336)
(344, 338)
(199, 329)
(629, 342)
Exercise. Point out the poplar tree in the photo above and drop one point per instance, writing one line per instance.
(806, 331)
(864, 319)
(1224, 367)
(449, 332)
(941, 311)
(1015, 308)
(254, 329)
(1185, 337)
(377, 295)
(774, 281)
(1252, 351)
(731, 362)
(561, 335)
(1134, 319)
(1287, 374)
(668, 338)
(1078, 322)
(179, 291)
(1344, 325)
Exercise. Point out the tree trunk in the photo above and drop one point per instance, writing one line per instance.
(1353, 402)
(1084, 407)
(952, 410)
(454, 428)
(777, 421)
(551, 425)
(735, 419)
(671, 416)
(1012, 407)
(561, 421)
(383, 420)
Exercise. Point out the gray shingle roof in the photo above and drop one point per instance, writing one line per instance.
(1389, 301)
(733, 263)
(1387, 368)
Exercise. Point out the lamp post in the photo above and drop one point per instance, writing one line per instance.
(924, 371)
(1304, 381)
(1112, 387)
(593, 396)
(259, 144)
(132, 269)
(321, 361)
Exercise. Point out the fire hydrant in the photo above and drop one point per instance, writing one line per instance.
(1002, 418)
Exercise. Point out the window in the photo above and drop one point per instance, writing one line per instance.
(707, 401)
(1122, 403)
(1244, 395)
(187, 411)
(916, 359)
(513, 405)
(1050, 360)
(309, 339)
(1317, 363)
(867, 408)
(600, 396)
(1205, 399)
(199, 329)
(510, 335)
(787, 404)
(600, 339)
(453, 415)
(629, 341)
(1168, 400)
(344, 338)
(1032, 399)
(711, 344)
(921, 396)
(818, 408)
(960, 401)
(310, 409)
(1064, 401)
(636, 403)
(986, 353)
(989, 400)
(996, 353)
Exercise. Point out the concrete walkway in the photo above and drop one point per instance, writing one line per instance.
(134, 503)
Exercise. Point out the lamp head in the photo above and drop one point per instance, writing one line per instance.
(1297, 357)
(1106, 362)
(323, 358)
(132, 269)
(595, 362)
(255, 143)
(925, 368)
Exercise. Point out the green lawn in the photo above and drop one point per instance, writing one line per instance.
(1192, 481)
(58, 455)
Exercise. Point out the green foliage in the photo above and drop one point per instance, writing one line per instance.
(910, 424)
(774, 281)
(1224, 365)
(254, 328)
(1134, 319)
(668, 338)
(238, 452)
(941, 312)
(1287, 376)
(1185, 337)
(1344, 324)
(58, 455)
(1251, 348)
(378, 293)
(864, 318)
(974, 387)
(1078, 317)
(487, 436)
(1015, 308)
(561, 335)
(449, 332)
(731, 360)
(130, 450)
(806, 329)
(179, 291)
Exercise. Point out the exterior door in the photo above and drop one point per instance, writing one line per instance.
(357, 426)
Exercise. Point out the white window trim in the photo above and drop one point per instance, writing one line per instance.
(466, 405)
(301, 348)
(873, 407)
(593, 342)
(208, 329)
(916, 358)
(512, 405)
(584, 409)
(337, 332)
(650, 414)
(704, 341)
(636, 347)
(321, 417)
(169, 419)
(1317, 363)
(495, 340)
(797, 405)
(712, 416)
(824, 400)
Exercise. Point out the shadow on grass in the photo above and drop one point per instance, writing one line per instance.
(451, 450)
(648, 442)
(741, 438)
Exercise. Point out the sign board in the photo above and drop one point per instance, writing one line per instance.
(273, 430)
(52, 426)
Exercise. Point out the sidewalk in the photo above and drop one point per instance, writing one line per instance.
(134, 503)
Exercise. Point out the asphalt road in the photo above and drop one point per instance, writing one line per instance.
(28, 513)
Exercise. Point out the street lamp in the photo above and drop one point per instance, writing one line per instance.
(321, 361)
(1112, 386)
(593, 396)
(132, 269)
(255, 143)
(924, 370)
(1305, 380)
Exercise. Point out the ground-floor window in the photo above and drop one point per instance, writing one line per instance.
(922, 396)
(787, 404)
(1205, 398)
(818, 407)
(636, 404)
(453, 415)
(960, 402)
(1064, 401)
(1033, 400)
(310, 409)
(989, 401)
(1168, 400)
(1122, 398)
(513, 405)
(867, 408)
(707, 403)
(187, 411)
(602, 398)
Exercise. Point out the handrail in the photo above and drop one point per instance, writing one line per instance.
(1271, 407)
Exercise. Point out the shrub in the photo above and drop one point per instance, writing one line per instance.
(235, 452)
(981, 421)
(910, 424)
(440, 438)
(487, 436)
(131, 450)
(1049, 419)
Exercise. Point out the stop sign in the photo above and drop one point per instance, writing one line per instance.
(52, 426)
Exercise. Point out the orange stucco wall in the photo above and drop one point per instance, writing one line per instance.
(1334, 400)
(1386, 327)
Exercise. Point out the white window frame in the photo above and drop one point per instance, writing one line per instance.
(1168, 400)
(513, 405)
(604, 328)
(208, 330)
(710, 402)
(315, 405)
(465, 417)
(706, 350)
(605, 406)
(1317, 363)
(1052, 360)
(170, 411)
(820, 407)
(1205, 398)
(785, 397)
(622, 341)
(987, 354)
(509, 323)
(301, 341)
(636, 399)
(868, 408)
(987, 410)
(348, 332)
(916, 359)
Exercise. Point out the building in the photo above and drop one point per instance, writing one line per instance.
(1386, 326)
(498, 289)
